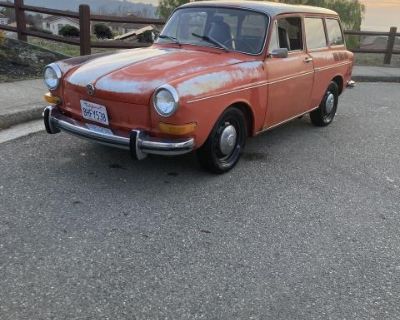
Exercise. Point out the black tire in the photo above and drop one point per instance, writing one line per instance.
(326, 111)
(216, 156)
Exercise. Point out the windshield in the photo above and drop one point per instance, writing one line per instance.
(228, 29)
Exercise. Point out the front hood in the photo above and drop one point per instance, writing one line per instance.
(133, 75)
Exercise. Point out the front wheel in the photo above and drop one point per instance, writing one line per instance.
(326, 111)
(224, 145)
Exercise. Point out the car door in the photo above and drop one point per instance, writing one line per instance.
(290, 80)
(325, 44)
(323, 58)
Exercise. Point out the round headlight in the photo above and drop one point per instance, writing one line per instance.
(166, 100)
(52, 76)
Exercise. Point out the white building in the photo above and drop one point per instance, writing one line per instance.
(3, 19)
(54, 24)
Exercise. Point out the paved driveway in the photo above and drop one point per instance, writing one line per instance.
(306, 227)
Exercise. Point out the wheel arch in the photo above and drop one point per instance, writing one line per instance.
(249, 114)
(340, 82)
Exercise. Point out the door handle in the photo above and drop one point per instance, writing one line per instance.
(308, 60)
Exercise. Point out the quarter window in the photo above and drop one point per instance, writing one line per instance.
(335, 35)
(274, 42)
(315, 33)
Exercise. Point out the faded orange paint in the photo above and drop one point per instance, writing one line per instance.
(208, 80)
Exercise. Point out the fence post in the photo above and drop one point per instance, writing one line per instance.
(84, 24)
(20, 19)
(390, 45)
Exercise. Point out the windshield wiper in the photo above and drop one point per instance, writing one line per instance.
(213, 41)
(164, 36)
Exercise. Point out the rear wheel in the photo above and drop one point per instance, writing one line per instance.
(224, 145)
(326, 111)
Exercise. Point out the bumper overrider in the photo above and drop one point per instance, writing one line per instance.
(138, 142)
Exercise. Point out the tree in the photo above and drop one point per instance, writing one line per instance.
(166, 7)
(69, 31)
(351, 13)
(9, 13)
(102, 31)
(34, 20)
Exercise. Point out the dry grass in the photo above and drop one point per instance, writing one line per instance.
(19, 61)
(2, 37)
(375, 59)
(63, 48)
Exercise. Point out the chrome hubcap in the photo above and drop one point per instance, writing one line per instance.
(227, 141)
(330, 103)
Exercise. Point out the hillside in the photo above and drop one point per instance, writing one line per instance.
(99, 6)
(20, 60)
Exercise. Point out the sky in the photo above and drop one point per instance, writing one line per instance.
(380, 15)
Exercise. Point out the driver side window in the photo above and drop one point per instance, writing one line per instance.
(191, 22)
(287, 33)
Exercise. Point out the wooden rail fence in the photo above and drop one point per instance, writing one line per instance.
(85, 17)
(390, 47)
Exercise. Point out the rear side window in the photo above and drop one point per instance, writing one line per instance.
(315, 33)
(335, 35)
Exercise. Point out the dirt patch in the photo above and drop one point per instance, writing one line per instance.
(20, 60)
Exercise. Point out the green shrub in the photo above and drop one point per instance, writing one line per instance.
(146, 37)
(102, 31)
(69, 31)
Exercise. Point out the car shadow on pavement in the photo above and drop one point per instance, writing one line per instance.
(116, 162)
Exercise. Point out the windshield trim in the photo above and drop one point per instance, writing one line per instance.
(227, 7)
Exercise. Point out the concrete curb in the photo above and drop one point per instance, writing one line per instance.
(361, 78)
(13, 118)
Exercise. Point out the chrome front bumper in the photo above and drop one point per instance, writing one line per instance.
(138, 142)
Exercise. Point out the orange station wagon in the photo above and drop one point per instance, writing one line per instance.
(218, 73)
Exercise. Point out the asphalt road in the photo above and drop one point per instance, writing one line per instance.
(306, 227)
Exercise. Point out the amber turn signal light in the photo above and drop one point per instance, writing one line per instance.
(48, 97)
(177, 129)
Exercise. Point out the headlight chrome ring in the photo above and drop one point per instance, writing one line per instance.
(52, 76)
(166, 100)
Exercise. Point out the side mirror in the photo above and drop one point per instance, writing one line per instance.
(280, 53)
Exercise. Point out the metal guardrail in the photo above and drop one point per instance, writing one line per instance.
(85, 17)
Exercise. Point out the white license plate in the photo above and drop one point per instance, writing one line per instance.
(94, 112)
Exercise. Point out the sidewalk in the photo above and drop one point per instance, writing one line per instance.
(22, 101)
